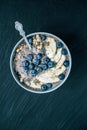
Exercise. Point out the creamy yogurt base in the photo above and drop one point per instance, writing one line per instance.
(49, 47)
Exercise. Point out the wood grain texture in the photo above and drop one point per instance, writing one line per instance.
(65, 108)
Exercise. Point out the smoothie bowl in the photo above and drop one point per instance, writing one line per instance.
(45, 67)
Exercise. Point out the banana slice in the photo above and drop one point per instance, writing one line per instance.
(60, 63)
(50, 47)
(46, 73)
(58, 55)
(59, 70)
(48, 79)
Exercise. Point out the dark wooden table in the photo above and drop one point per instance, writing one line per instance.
(65, 108)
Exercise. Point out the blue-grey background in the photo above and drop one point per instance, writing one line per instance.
(65, 108)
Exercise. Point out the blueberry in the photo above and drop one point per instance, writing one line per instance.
(25, 63)
(59, 45)
(33, 72)
(26, 69)
(51, 64)
(46, 60)
(49, 85)
(66, 63)
(43, 87)
(44, 66)
(43, 37)
(64, 51)
(37, 61)
(30, 57)
(31, 66)
(61, 76)
(39, 56)
(39, 69)
(30, 40)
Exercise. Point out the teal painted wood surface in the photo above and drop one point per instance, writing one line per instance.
(65, 108)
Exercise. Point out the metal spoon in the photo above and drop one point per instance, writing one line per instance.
(19, 27)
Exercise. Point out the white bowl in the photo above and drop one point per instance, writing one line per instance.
(34, 91)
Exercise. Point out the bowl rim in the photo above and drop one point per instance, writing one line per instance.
(50, 90)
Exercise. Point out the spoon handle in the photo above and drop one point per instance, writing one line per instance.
(19, 27)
